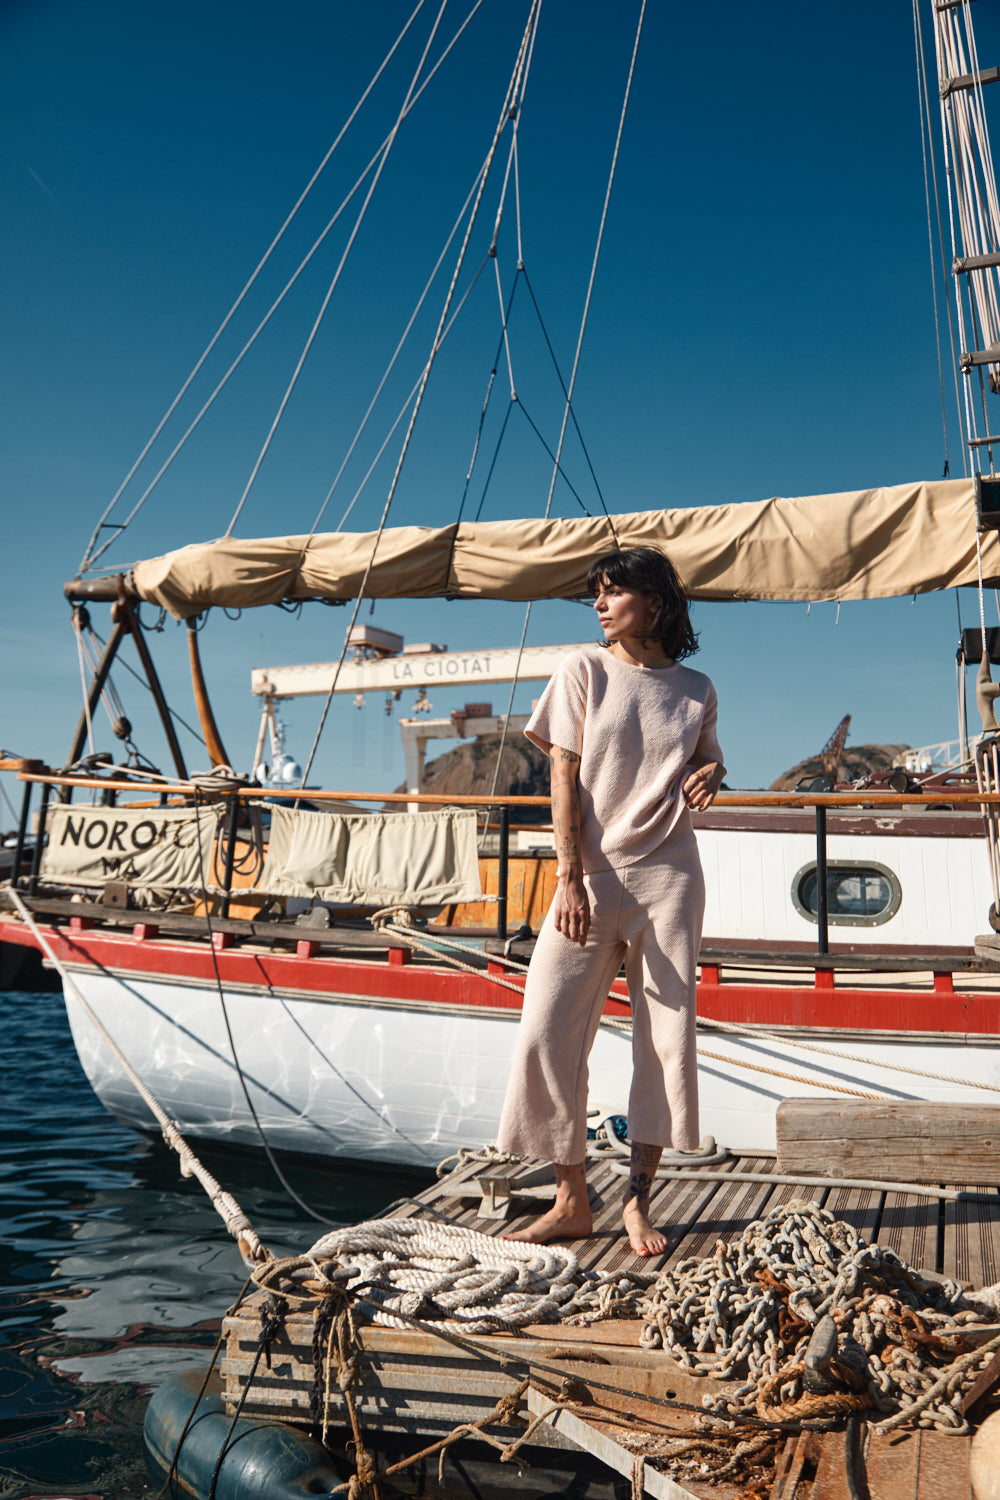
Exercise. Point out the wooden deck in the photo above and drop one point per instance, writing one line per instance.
(415, 1384)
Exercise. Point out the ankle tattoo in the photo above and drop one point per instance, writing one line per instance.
(640, 1185)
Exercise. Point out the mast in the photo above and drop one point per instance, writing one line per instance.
(974, 216)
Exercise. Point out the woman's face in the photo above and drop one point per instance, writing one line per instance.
(623, 613)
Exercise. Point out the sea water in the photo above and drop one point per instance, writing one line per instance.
(114, 1270)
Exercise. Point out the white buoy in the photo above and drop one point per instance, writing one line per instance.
(984, 1460)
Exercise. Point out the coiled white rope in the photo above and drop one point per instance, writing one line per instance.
(454, 1277)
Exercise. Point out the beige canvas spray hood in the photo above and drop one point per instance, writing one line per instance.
(860, 544)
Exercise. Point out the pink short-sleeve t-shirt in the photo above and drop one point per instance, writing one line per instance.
(639, 731)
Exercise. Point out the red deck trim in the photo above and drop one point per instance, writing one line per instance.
(938, 1008)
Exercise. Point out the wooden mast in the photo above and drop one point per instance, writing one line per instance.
(213, 740)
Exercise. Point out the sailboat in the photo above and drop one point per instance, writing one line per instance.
(284, 971)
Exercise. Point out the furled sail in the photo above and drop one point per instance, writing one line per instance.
(860, 544)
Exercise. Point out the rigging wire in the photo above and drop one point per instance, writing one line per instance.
(388, 370)
(973, 200)
(119, 527)
(929, 160)
(272, 1160)
(594, 264)
(314, 331)
(572, 410)
(232, 311)
(176, 717)
(405, 407)
(556, 469)
(83, 688)
(510, 106)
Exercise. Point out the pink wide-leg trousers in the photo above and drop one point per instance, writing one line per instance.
(647, 915)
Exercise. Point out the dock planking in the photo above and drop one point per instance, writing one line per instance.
(415, 1384)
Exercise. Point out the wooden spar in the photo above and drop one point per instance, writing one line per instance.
(213, 740)
(124, 610)
(118, 632)
(801, 801)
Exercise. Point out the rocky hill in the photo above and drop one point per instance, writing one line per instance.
(855, 761)
(467, 771)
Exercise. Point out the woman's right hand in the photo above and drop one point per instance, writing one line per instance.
(571, 908)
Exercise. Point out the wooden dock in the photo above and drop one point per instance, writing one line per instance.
(599, 1388)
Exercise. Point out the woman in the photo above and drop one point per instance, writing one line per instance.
(631, 735)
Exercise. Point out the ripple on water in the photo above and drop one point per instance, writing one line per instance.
(114, 1270)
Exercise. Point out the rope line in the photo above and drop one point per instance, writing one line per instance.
(220, 991)
(236, 1222)
(91, 556)
(736, 1028)
(593, 268)
(314, 331)
(510, 103)
(769, 1036)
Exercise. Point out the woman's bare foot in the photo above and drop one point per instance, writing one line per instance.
(644, 1239)
(557, 1224)
(569, 1219)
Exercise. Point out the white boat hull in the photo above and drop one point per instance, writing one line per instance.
(411, 1084)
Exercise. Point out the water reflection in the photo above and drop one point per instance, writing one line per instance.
(114, 1270)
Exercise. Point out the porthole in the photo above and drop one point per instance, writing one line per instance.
(859, 894)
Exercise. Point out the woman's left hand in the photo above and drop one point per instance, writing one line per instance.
(701, 786)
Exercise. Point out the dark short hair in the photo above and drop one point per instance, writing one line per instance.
(650, 571)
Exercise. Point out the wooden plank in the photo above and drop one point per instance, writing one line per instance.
(909, 1227)
(943, 1467)
(861, 1208)
(603, 1446)
(891, 1465)
(972, 1241)
(728, 1212)
(796, 1464)
(913, 1140)
(830, 1482)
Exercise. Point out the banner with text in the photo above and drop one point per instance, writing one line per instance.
(166, 847)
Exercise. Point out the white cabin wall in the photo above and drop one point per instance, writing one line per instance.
(749, 875)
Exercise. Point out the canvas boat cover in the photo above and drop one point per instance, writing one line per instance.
(415, 859)
(860, 544)
(158, 848)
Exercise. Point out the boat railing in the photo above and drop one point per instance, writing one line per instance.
(239, 795)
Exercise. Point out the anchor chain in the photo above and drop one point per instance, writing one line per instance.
(749, 1311)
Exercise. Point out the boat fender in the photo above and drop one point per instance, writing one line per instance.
(984, 1460)
(262, 1461)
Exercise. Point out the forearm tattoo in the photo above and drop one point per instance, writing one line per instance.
(565, 805)
(645, 1160)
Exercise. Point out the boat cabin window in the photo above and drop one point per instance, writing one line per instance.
(858, 895)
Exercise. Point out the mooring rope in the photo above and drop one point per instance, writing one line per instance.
(613, 1022)
(235, 1220)
(454, 1278)
(757, 1033)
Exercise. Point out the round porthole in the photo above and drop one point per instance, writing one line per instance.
(858, 894)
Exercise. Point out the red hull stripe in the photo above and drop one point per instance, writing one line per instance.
(885, 1009)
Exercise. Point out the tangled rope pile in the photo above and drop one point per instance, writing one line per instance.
(433, 1272)
(750, 1309)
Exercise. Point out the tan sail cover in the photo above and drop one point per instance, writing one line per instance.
(861, 544)
(416, 859)
(163, 848)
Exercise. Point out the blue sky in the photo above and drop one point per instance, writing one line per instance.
(761, 324)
